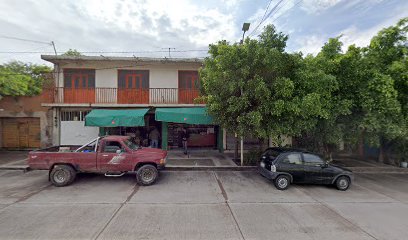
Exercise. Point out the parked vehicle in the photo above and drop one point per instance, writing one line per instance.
(110, 155)
(285, 166)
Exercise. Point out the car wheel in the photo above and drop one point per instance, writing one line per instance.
(282, 182)
(343, 183)
(147, 175)
(62, 175)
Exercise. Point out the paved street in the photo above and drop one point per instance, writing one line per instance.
(200, 205)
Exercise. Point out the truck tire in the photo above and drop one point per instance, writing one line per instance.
(146, 175)
(62, 175)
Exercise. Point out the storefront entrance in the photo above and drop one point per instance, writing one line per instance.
(201, 136)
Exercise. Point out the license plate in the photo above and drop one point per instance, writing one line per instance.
(263, 164)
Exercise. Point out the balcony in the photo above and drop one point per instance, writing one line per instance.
(109, 96)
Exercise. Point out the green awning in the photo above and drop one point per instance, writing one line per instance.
(116, 118)
(194, 115)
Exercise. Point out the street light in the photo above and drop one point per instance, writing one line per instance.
(245, 28)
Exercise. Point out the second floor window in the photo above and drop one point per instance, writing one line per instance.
(189, 80)
(129, 79)
(79, 78)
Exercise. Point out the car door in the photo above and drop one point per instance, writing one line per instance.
(109, 160)
(292, 163)
(313, 168)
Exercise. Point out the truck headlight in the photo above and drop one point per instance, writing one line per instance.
(163, 161)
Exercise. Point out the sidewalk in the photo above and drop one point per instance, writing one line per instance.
(366, 166)
(199, 158)
(13, 160)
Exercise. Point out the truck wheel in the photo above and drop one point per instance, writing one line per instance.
(62, 175)
(343, 183)
(146, 175)
(282, 182)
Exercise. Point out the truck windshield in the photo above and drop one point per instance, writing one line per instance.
(131, 145)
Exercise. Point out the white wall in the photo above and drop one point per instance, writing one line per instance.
(107, 78)
(161, 75)
(75, 133)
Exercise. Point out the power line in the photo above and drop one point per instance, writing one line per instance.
(260, 22)
(25, 40)
(267, 16)
(112, 52)
(300, 1)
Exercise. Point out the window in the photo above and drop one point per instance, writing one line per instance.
(292, 158)
(112, 147)
(73, 115)
(311, 159)
(189, 80)
(271, 154)
(138, 79)
(79, 78)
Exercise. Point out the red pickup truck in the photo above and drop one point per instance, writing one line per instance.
(110, 155)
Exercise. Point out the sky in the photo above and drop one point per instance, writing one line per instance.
(145, 28)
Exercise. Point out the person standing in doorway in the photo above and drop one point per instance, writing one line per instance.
(184, 138)
(154, 137)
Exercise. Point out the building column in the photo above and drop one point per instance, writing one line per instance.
(220, 140)
(164, 135)
(224, 139)
(56, 123)
(102, 131)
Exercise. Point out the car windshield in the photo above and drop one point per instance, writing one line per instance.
(131, 145)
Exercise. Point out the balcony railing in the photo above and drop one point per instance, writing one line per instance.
(121, 96)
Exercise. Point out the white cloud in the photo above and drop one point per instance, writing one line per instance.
(310, 44)
(362, 37)
(317, 6)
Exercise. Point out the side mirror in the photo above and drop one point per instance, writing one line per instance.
(118, 151)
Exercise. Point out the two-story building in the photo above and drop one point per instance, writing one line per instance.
(98, 95)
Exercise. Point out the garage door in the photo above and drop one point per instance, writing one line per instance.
(20, 133)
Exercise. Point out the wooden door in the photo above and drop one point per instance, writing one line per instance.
(10, 133)
(133, 90)
(20, 133)
(188, 86)
(80, 90)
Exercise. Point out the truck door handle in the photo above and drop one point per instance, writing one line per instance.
(105, 155)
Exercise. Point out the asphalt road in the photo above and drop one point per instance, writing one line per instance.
(200, 205)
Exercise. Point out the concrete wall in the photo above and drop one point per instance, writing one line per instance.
(75, 133)
(15, 107)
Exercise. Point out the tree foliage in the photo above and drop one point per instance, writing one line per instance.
(257, 87)
(334, 96)
(72, 53)
(22, 79)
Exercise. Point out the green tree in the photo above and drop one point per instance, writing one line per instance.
(372, 94)
(22, 79)
(258, 88)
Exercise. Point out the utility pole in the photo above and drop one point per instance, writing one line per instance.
(245, 28)
(53, 45)
(169, 50)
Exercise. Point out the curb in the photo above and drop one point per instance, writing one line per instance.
(23, 168)
(209, 168)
